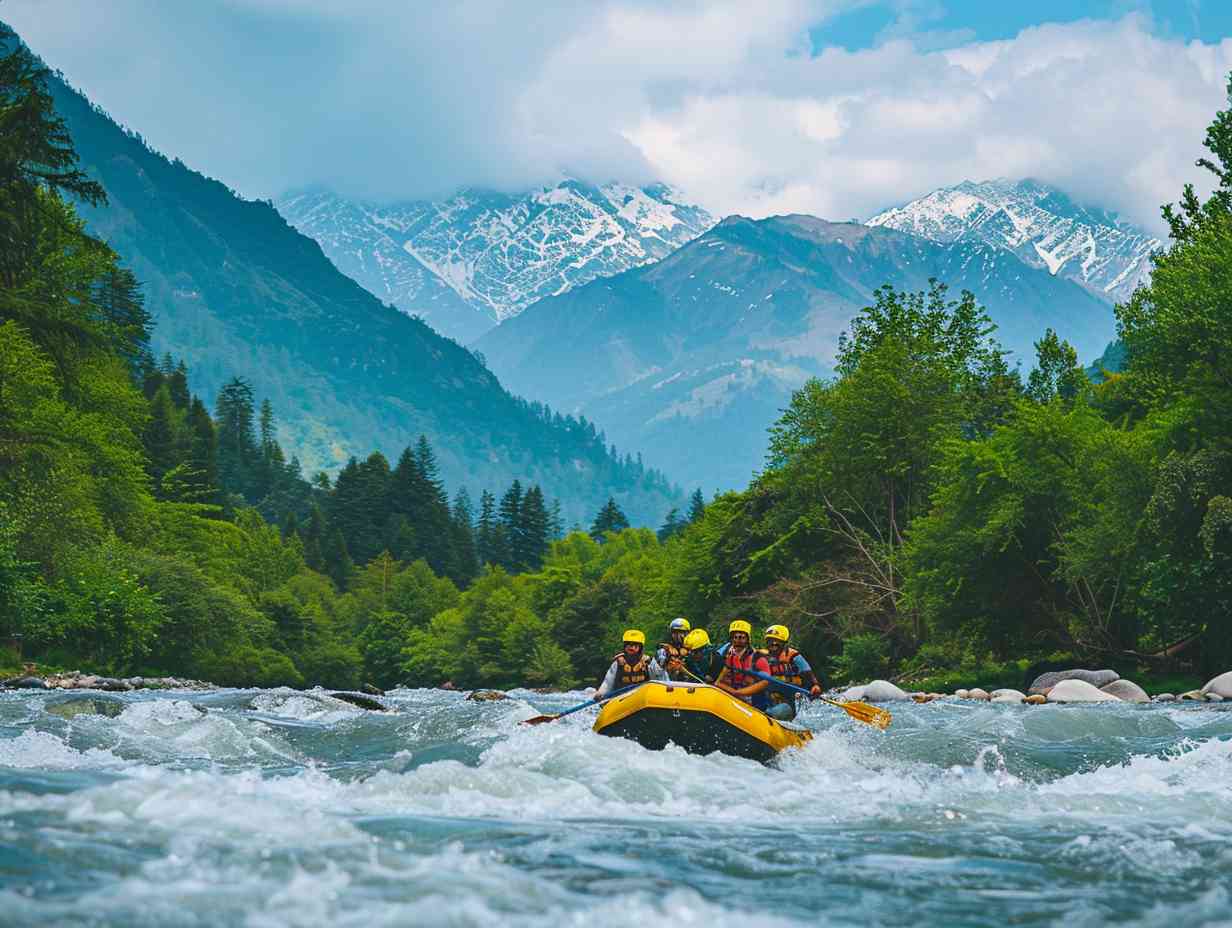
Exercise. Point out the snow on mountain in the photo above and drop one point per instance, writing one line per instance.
(480, 257)
(1042, 226)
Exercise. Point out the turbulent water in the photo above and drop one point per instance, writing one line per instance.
(271, 807)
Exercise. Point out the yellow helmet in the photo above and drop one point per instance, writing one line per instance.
(680, 625)
(778, 632)
(739, 625)
(696, 639)
(634, 636)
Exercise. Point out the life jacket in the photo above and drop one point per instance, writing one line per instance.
(738, 667)
(672, 651)
(784, 668)
(631, 674)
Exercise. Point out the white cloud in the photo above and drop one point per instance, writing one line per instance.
(721, 98)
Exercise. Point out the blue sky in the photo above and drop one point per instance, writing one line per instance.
(831, 107)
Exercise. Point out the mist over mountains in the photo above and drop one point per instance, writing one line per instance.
(465, 263)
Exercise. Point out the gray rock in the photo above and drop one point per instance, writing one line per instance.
(1126, 691)
(362, 701)
(486, 696)
(1078, 691)
(78, 705)
(1220, 685)
(1097, 678)
(26, 683)
(1164, 697)
(1214, 697)
(135, 683)
(979, 693)
(371, 690)
(1008, 696)
(883, 691)
(112, 685)
(87, 682)
(962, 694)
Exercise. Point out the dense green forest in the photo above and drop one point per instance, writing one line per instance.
(928, 510)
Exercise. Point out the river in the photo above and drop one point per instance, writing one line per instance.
(272, 807)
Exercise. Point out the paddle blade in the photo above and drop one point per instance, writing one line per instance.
(540, 719)
(869, 715)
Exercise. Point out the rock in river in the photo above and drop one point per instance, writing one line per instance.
(1126, 691)
(1220, 686)
(1164, 697)
(25, 683)
(1078, 691)
(1046, 681)
(877, 691)
(1008, 696)
(487, 696)
(979, 694)
(86, 705)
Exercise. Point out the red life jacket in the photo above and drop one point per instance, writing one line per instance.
(738, 667)
(783, 668)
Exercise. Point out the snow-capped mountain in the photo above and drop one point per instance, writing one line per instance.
(479, 257)
(1039, 224)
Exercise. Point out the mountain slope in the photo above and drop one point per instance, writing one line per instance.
(694, 355)
(1039, 224)
(465, 263)
(235, 290)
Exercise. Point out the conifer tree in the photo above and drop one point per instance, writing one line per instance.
(237, 442)
(313, 537)
(161, 438)
(486, 530)
(338, 564)
(609, 519)
(203, 450)
(465, 554)
(511, 528)
(671, 525)
(697, 506)
(532, 530)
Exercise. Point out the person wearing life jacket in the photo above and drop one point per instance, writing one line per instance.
(738, 659)
(671, 653)
(703, 661)
(787, 664)
(631, 666)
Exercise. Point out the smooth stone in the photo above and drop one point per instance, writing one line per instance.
(1214, 697)
(980, 694)
(1220, 685)
(1194, 696)
(882, 691)
(922, 697)
(1164, 697)
(486, 696)
(1036, 699)
(112, 685)
(962, 694)
(1078, 691)
(371, 690)
(71, 708)
(1010, 696)
(26, 683)
(1097, 678)
(360, 700)
(1126, 691)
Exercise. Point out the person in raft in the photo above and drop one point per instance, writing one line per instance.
(631, 666)
(787, 664)
(703, 661)
(738, 659)
(671, 653)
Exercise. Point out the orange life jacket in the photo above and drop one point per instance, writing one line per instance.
(632, 674)
(783, 668)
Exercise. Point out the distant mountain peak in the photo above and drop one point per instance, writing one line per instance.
(1040, 224)
(478, 257)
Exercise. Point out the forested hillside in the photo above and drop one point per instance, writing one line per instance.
(234, 290)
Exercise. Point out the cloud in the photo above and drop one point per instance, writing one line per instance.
(726, 100)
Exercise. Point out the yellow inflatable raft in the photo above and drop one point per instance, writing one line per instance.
(699, 718)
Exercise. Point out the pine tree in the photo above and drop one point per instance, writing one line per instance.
(359, 507)
(697, 506)
(486, 529)
(237, 442)
(671, 525)
(290, 526)
(533, 533)
(609, 519)
(314, 536)
(338, 564)
(511, 528)
(121, 306)
(465, 553)
(177, 383)
(203, 451)
(556, 522)
(161, 438)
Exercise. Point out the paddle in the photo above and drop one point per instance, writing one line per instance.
(540, 719)
(860, 711)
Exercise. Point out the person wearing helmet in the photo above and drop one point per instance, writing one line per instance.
(738, 659)
(631, 666)
(787, 664)
(702, 661)
(672, 652)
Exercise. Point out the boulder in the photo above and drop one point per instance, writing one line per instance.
(1194, 695)
(371, 690)
(880, 691)
(1007, 696)
(1126, 691)
(112, 685)
(1073, 690)
(486, 696)
(1220, 685)
(26, 683)
(1213, 697)
(86, 705)
(360, 700)
(979, 694)
(962, 694)
(1097, 678)
(1164, 697)
(1036, 699)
